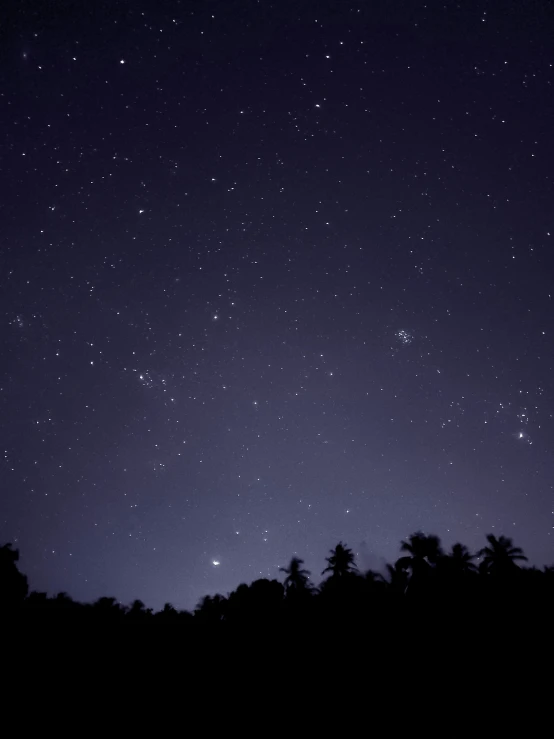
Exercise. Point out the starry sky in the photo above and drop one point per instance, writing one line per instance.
(272, 275)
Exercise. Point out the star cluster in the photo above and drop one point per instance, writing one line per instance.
(272, 278)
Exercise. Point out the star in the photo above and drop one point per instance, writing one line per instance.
(382, 337)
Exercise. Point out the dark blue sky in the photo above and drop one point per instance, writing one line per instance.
(272, 275)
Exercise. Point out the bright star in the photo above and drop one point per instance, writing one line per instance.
(524, 437)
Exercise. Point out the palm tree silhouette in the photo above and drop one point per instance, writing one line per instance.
(340, 562)
(423, 551)
(423, 554)
(459, 560)
(501, 555)
(297, 579)
(398, 578)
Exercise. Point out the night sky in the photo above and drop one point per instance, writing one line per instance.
(272, 275)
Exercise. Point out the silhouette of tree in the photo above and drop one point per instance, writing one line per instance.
(138, 611)
(422, 584)
(423, 551)
(397, 577)
(108, 608)
(211, 609)
(501, 556)
(63, 600)
(374, 588)
(371, 577)
(455, 579)
(13, 584)
(36, 599)
(257, 602)
(297, 580)
(459, 560)
(423, 554)
(265, 595)
(168, 610)
(340, 563)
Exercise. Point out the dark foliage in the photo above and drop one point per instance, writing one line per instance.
(13, 584)
(425, 592)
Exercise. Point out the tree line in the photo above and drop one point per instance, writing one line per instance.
(424, 581)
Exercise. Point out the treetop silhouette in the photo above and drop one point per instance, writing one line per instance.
(424, 578)
(341, 562)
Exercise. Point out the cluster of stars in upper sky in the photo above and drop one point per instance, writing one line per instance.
(271, 280)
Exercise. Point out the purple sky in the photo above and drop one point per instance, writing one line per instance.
(272, 275)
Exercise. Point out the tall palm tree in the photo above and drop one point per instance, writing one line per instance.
(297, 579)
(423, 551)
(423, 554)
(501, 556)
(341, 562)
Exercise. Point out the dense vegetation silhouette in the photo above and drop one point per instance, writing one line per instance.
(426, 589)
